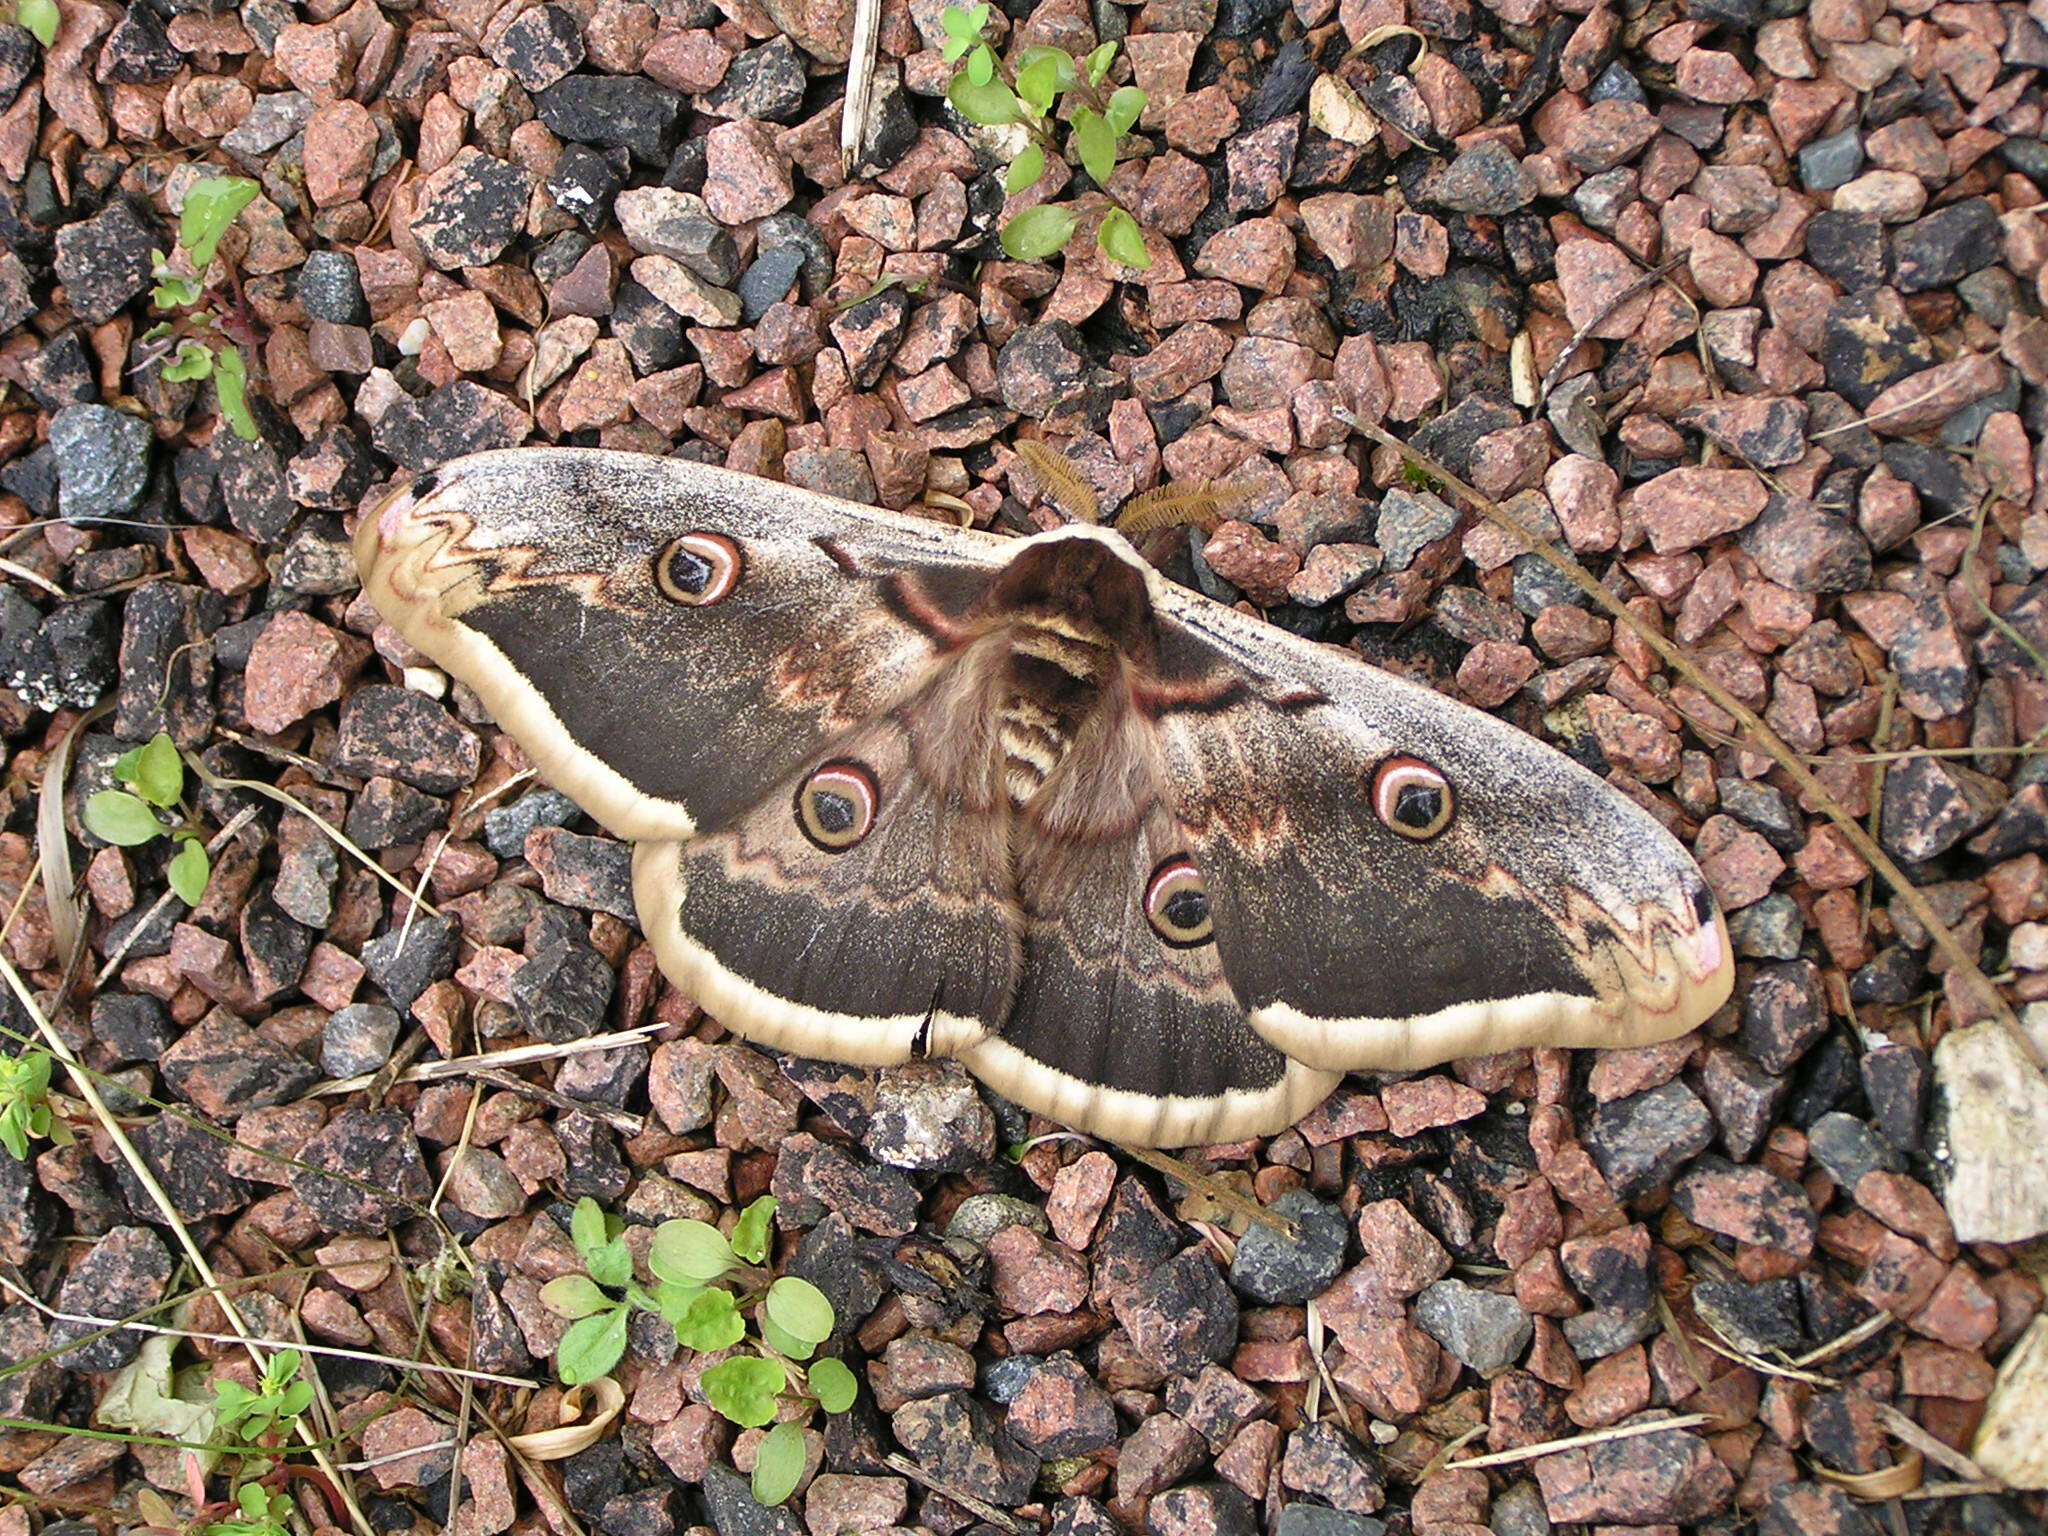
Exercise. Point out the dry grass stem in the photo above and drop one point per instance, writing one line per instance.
(1573, 1442)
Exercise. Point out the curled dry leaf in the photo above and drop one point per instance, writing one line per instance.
(603, 1398)
(1902, 1476)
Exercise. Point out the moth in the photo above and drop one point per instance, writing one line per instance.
(1145, 864)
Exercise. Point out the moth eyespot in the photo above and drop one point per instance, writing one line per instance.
(1703, 905)
(837, 805)
(1177, 903)
(698, 569)
(1412, 798)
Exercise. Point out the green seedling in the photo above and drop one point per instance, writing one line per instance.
(41, 18)
(262, 1514)
(24, 1103)
(128, 818)
(262, 1419)
(987, 92)
(196, 348)
(790, 1318)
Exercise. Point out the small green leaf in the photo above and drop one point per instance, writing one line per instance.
(778, 1464)
(672, 1300)
(154, 771)
(801, 1308)
(588, 1229)
(176, 293)
(990, 105)
(189, 870)
(981, 65)
(1124, 108)
(41, 18)
(231, 385)
(210, 207)
(194, 360)
(1099, 62)
(1038, 82)
(750, 1232)
(612, 1264)
(1121, 240)
(1065, 77)
(574, 1296)
(965, 21)
(833, 1384)
(689, 1250)
(117, 817)
(711, 1322)
(781, 1340)
(1038, 232)
(743, 1388)
(592, 1346)
(1094, 143)
(1024, 171)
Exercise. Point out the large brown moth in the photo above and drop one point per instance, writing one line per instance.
(1145, 864)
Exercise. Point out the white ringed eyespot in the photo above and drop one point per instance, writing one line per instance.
(837, 804)
(698, 569)
(1177, 903)
(1412, 798)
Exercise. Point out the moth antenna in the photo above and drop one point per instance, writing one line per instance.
(1058, 478)
(1200, 502)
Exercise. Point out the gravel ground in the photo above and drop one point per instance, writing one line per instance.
(1739, 303)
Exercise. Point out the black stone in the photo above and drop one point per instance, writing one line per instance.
(66, 660)
(126, 1272)
(1640, 1141)
(627, 112)
(736, 1512)
(648, 329)
(478, 209)
(133, 1026)
(1280, 1270)
(103, 459)
(388, 813)
(953, 1439)
(1893, 976)
(364, 1171)
(410, 957)
(60, 373)
(583, 184)
(396, 732)
(1849, 247)
(1868, 343)
(1754, 1317)
(595, 1167)
(189, 1165)
(104, 261)
(330, 287)
(1849, 1149)
(765, 83)
(138, 51)
(19, 54)
(1783, 1014)
(253, 486)
(1895, 1081)
(506, 826)
(563, 992)
(541, 46)
(457, 418)
(1946, 246)
(1217, 1509)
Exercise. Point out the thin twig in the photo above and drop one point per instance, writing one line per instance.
(1214, 1188)
(858, 103)
(1584, 333)
(624, 1121)
(464, 1066)
(114, 1325)
(1597, 1437)
(897, 1462)
(34, 579)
